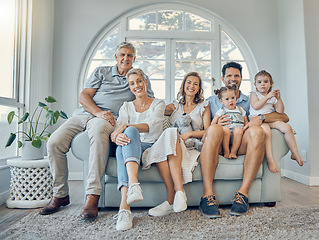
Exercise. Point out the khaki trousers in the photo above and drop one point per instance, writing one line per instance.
(59, 144)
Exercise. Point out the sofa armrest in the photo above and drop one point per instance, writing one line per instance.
(80, 146)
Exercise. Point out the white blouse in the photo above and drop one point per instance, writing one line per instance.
(153, 117)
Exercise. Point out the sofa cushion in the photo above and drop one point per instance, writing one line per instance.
(226, 170)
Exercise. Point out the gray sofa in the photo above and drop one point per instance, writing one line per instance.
(228, 177)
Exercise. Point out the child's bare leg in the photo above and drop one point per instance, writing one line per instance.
(226, 141)
(290, 140)
(236, 141)
(270, 160)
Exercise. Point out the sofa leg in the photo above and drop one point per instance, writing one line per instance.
(270, 204)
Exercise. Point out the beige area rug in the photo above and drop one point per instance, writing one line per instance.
(258, 223)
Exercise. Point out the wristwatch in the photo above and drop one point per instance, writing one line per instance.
(262, 117)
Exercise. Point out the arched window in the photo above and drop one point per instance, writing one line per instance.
(172, 40)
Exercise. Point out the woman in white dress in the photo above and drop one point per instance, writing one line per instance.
(174, 161)
(137, 128)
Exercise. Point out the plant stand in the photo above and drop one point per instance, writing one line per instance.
(31, 183)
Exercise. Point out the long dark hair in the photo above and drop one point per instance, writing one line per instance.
(199, 95)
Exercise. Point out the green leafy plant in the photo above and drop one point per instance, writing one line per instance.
(32, 131)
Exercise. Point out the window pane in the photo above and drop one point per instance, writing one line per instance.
(170, 20)
(7, 16)
(207, 87)
(193, 50)
(229, 50)
(245, 87)
(5, 130)
(183, 67)
(143, 22)
(108, 47)
(177, 86)
(158, 88)
(153, 69)
(149, 49)
(196, 23)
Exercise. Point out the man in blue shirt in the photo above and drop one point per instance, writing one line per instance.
(253, 145)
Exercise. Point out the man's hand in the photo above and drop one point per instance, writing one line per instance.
(107, 115)
(256, 121)
(224, 120)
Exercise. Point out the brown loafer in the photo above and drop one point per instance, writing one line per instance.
(90, 209)
(54, 205)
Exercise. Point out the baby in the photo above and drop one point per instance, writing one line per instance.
(237, 115)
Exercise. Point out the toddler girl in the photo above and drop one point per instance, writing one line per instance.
(264, 101)
(237, 115)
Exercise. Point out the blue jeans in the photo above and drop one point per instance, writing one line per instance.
(131, 152)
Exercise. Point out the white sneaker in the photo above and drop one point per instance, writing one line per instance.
(134, 193)
(161, 210)
(180, 204)
(124, 220)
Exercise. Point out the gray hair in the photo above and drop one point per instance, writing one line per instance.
(125, 45)
(136, 71)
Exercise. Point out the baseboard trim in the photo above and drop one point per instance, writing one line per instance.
(74, 176)
(314, 181)
(4, 196)
(309, 181)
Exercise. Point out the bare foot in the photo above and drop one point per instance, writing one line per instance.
(297, 158)
(232, 155)
(272, 167)
(226, 153)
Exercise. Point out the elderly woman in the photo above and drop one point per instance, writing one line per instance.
(138, 127)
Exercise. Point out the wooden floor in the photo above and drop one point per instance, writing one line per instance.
(293, 194)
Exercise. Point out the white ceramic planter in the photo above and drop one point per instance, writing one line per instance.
(28, 152)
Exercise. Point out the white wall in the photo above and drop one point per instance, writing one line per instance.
(312, 53)
(294, 80)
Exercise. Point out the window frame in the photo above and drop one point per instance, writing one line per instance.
(217, 25)
(21, 60)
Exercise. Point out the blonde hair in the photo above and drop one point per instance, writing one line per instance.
(136, 71)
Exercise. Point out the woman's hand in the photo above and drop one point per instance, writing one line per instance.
(122, 139)
(186, 136)
(117, 132)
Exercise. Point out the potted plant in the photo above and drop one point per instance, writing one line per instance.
(33, 133)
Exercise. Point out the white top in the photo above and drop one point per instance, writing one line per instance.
(224, 111)
(196, 115)
(166, 144)
(267, 108)
(153, 117)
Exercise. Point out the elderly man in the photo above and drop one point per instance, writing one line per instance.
(104, 93)
(253, 145)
